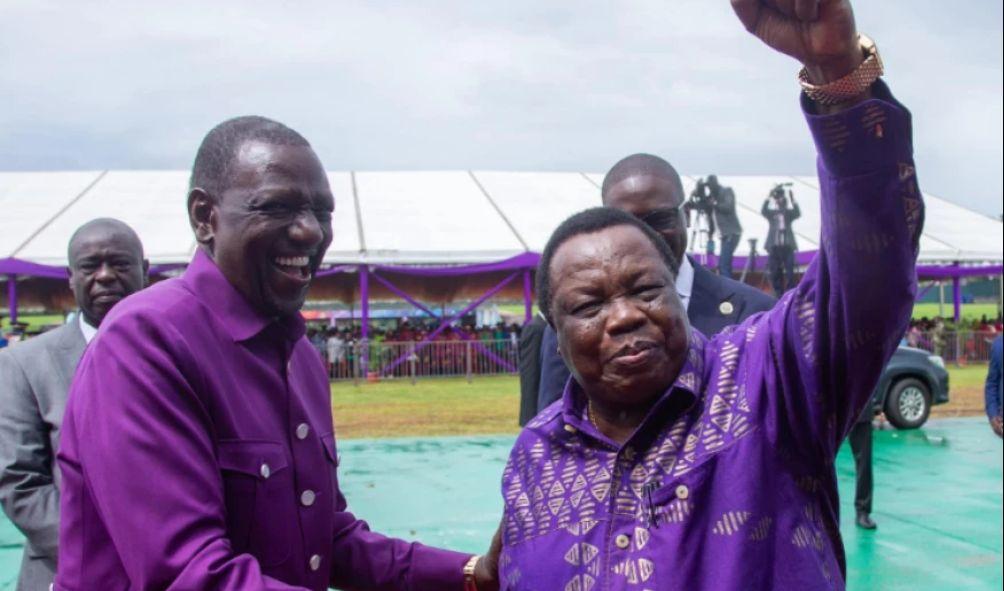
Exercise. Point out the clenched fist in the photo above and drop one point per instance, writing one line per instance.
(819, 33)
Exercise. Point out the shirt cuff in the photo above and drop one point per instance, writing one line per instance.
(869, 136)
(435, 568)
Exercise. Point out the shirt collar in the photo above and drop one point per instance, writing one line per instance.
(241, 320)
(85, 327)
(685, 280)
(683, 392)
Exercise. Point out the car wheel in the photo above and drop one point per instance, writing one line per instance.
(908, 404)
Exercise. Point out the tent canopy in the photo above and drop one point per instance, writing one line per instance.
(406, 218)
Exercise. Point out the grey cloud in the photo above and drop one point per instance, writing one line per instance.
(451, 85)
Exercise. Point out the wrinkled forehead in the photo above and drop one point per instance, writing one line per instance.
(612, 255)
(642, 193)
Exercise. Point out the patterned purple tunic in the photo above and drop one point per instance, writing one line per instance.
(729, 482)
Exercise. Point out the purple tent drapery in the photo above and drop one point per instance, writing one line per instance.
(11, 266)
(525, 262)
(463, 333)
(431, 336)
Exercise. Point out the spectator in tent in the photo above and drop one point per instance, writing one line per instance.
(106, 265)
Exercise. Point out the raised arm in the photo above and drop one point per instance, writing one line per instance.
(829, 338)
(796, 211)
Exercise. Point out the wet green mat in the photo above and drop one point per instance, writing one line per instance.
(938, 502)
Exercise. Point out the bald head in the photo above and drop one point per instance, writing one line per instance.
(103, 230)
(649, 187)
(106, 264)
(637, 166)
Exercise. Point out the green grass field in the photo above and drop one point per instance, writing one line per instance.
(490, 405)
(969, 311)
(441, 406)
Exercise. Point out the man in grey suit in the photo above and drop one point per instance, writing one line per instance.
(106, 264)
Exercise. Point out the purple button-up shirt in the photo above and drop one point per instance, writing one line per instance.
(729, 482)
(198, 453)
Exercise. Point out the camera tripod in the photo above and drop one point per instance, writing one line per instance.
(702, 236)
(750, 265)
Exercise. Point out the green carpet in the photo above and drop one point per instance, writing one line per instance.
(938, 502)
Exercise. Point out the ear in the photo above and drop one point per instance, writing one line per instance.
(146, 272)
(202, 215)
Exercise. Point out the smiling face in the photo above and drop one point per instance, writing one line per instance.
(106, 265)
(269, 228)
(621, 327)
(656, 201)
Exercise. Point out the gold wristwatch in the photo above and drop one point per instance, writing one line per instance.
(470, 583)
(851, 85)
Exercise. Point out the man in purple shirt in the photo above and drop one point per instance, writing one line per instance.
(676, 461)
(198, 450)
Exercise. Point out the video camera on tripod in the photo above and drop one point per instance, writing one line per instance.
(702, 231)
(701, 198)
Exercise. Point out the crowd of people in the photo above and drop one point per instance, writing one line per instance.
(960, 342)
(427, 349)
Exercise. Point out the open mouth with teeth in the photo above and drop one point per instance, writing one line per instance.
(297, 268)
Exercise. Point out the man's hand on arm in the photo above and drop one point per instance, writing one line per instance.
(486, 571)
(818, 33)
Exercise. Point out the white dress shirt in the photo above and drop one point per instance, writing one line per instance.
(89, 331)
(685, 282)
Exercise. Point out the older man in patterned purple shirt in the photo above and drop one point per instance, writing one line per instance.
(680, 462)
(198, 450)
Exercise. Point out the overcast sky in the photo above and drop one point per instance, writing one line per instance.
(514, 85)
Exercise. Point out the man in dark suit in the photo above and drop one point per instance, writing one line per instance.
(105, 265)
(860, 439)
(529, 367)
(650, 188)
(780, 244)
(723, 202)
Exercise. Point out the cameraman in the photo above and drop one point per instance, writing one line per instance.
(780, 238)
(723, 203)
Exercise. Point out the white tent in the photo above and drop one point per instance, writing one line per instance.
(429, 217)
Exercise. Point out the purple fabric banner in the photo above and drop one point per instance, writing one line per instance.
(12, 266)
(950, 271)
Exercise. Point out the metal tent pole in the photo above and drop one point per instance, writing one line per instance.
(12, 297)
(527, 297)
(364, 308)
(957, 295)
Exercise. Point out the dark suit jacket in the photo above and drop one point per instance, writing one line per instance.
(34, 381)
(725, 213)
(529, 367)
(707, 312)
(790, 214)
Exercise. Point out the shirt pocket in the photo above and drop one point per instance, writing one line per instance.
(259, 497)
(675, 500)
(331, 452)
